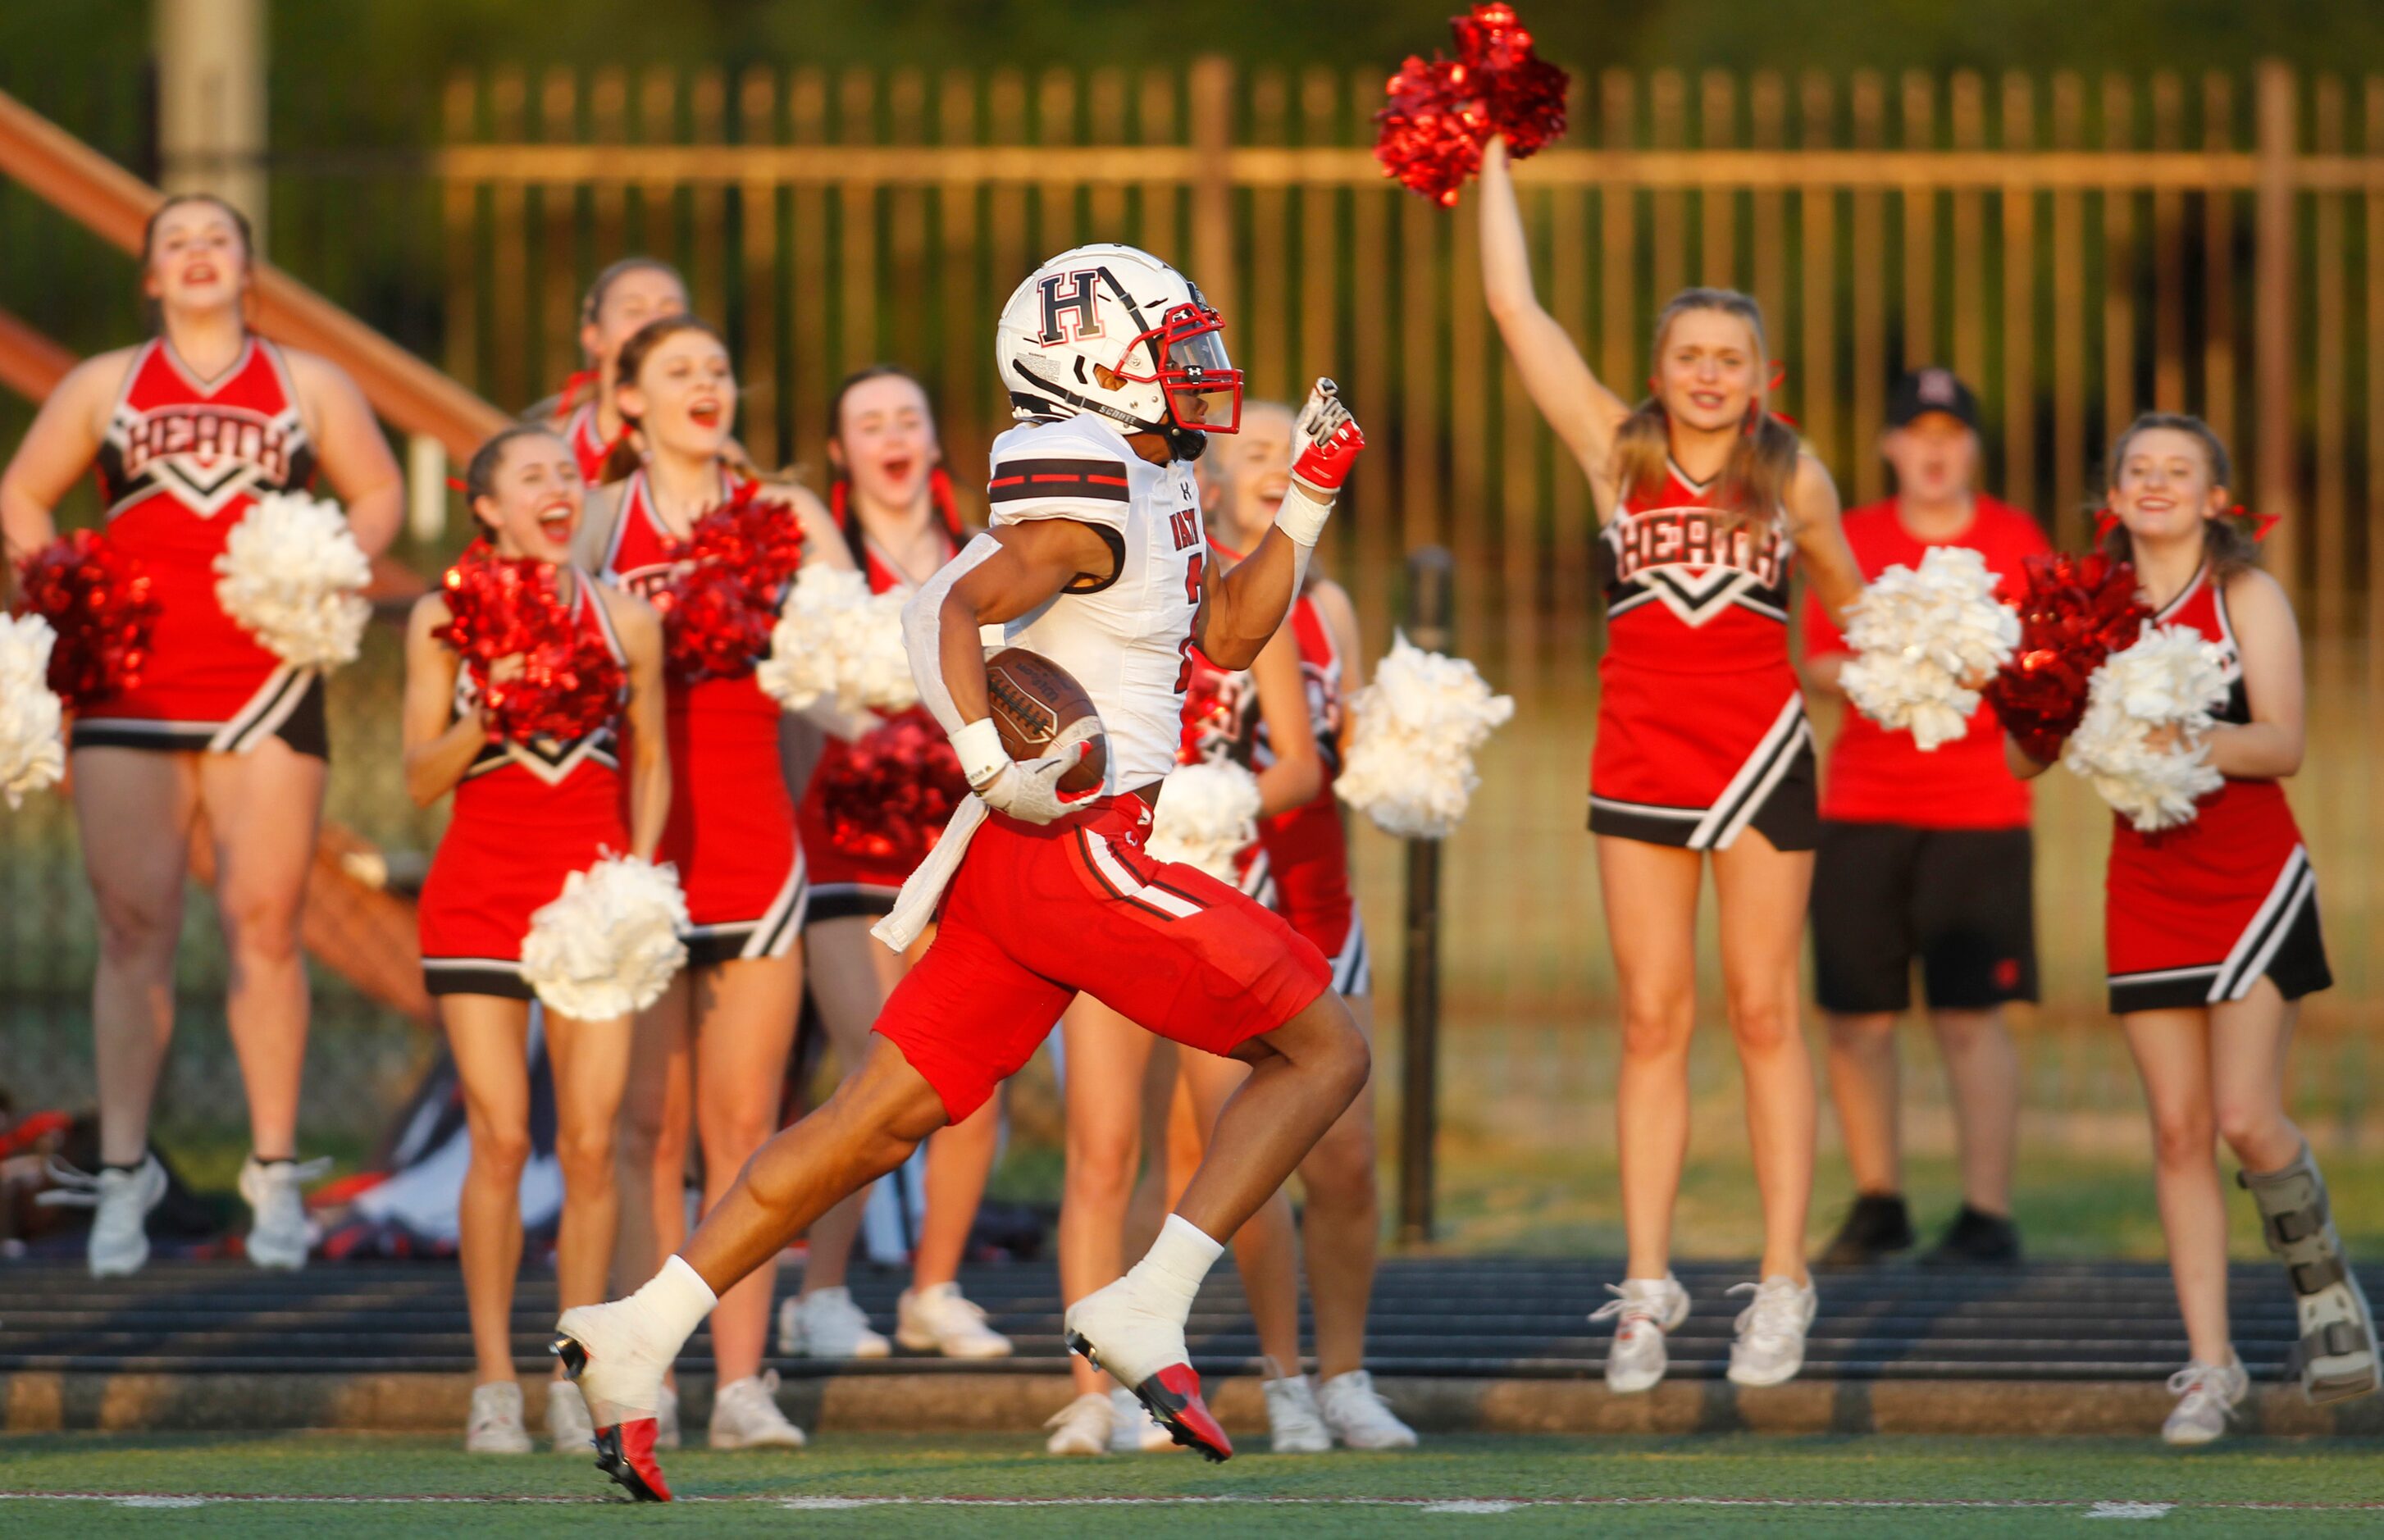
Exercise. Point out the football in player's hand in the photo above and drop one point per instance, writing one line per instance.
(1034, 700)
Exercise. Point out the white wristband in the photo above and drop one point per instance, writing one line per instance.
(978, 744)
(1302, 515)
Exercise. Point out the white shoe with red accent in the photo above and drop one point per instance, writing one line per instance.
(618, 1355)
(1143, 1349)
(1642, 1310)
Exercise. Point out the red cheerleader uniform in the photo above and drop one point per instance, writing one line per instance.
(183, 460)
(1308, 847)
(1222, 722)
(588, 445)
(527, 816)
(848, 882)
(1701, 728)
(2196, 914)
(732, 830)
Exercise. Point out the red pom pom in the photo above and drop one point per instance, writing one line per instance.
(889, 795)
(96, 596)
(2074, 612)
(1438, 116)
(731, 574)
(498, 607)
(1524, 96)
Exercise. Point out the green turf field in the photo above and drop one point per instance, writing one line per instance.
(996, 1487)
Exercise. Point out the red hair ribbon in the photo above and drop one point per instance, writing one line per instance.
(457, 484)
(1756, 413)
(575, 382)
(2104, 522)
(2258, 525)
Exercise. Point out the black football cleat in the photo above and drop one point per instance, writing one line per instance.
(625, 1451)
(1173, 1395)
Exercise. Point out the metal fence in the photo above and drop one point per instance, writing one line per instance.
(2078, 249)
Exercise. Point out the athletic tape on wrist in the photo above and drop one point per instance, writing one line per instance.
(1302, 515)
(978, 744)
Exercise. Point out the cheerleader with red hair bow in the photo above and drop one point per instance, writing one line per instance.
(710, 1055)
(893, 510)
(2212, 932)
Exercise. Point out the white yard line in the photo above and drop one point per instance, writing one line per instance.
(2098, 1509)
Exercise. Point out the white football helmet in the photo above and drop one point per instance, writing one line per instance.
(1113, 330)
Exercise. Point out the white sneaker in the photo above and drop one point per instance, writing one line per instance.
(1082, 1427)
(1770, 1345)
(1358, 1417)
(1642, 1310)
(745, 1415)
(938, 1321)
(1133, 1430)
(121, 1201)
(1294, 1425)
(568, 1426)
(2207, 1399)
(666, 1418)
(279, 1234)
(826, 1324)
(496, 1425)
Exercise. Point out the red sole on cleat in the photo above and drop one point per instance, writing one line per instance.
(625, 1451)
(1173, 1395)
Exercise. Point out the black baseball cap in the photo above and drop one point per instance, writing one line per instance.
(1932, 390)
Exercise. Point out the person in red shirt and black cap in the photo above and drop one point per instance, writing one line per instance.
(1926, 857)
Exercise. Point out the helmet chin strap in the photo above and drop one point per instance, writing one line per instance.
(1185, 443)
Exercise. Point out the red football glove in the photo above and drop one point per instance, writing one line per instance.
(1328, 439)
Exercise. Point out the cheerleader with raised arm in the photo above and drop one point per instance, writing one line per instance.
(710, 1056)
(528, 814)
(894, 515)
(1703, 750)
(2212, 936)
(188, 430)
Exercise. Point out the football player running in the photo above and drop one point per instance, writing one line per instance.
(1096, 560)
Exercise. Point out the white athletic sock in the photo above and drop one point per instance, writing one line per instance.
(678, 1298)
(1170, 1273)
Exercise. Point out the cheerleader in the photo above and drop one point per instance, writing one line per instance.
(623, 299)
(712, 1052)
(1108, 1057)
(1702, 747)
(527, 816)
(188, 430)
(1308, 856)
(2212, 938)
(892, 507)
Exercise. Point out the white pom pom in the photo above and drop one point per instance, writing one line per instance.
(1413, 731)
(1917, 636)
(611, 943)
(801, 666)
(877, 668)
(33, 745)
(2170, 678)
(294, 577)
(1208, 815)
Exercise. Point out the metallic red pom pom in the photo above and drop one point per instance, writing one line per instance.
(889, 795)
(1439, 115)
(2074, 612)
(569, 684)
(731, 575)
(96, 597)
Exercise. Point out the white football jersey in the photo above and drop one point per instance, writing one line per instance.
(1128, 641)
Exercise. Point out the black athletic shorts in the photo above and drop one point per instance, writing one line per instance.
(1960, 901)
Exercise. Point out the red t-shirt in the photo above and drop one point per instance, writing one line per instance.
(1876, 776)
